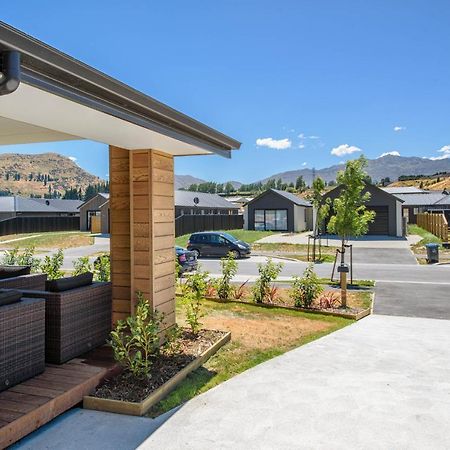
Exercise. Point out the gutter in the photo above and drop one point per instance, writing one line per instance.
(9, 72)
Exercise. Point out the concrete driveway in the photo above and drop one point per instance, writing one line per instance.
(380, 383)
(365, 255)
(334, 241)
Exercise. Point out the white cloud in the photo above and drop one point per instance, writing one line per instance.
(301, 136)
(279, 144)
(72, 158)
(304, 164)
(399, 128)
(445, 150)
(301, 145)
(393, 153)
(344, 149)
(313, 137)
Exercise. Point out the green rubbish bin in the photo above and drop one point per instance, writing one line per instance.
(432, 253)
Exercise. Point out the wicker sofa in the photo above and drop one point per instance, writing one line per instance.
(33, 281)
(22, 341)
(76, 320)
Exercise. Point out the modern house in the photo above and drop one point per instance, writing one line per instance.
(188, 202)
(424, 201)
(45, 96)
(15, 206)
(388, 208)
(96, 206)
(277, 210)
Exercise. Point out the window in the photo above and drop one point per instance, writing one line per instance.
(271, 219)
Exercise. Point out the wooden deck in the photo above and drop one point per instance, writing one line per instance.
(29, 405)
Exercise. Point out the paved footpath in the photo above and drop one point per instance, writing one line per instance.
(382, 383)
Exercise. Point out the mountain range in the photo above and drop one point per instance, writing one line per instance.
(390, 166)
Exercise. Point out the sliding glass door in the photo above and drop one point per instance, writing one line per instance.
(271, 219)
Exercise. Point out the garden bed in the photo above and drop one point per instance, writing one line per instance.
(126, 394)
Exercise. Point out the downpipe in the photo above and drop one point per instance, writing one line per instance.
(9, 71)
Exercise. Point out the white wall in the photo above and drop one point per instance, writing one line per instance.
(246, 218)
(399, 218)
(299, 218)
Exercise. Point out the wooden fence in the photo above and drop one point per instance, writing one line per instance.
(435, 223)
(190, 223)
(23, 224)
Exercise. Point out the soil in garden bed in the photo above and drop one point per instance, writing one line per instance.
(128, 388)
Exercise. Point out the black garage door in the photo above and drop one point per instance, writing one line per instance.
(381, 223)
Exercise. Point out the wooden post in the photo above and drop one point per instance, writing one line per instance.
(343, 279)
(148, 231)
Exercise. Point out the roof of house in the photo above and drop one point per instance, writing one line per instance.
(38, 205)
(287, 195)
(426, 198)
(103, 195)
(186, 198)
(370, 187)
(402, 190)
(105, 109)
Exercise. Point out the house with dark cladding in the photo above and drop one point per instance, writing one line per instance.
(96, 206)
(188, 202)
(420, 201)
(277, 210)
(388, 209)
(15, 206)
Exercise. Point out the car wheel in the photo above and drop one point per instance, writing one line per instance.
(236, 254)
(196, 253)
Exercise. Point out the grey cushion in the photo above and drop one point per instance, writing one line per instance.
(8, 296)
(14, 271)
(67, 283)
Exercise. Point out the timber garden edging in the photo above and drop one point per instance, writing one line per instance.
(140, 408)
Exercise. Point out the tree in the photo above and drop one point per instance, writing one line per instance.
(321, 207)
(350, 215)
(300, 184)
(229, 188)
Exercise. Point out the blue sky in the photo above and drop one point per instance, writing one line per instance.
(304, 79)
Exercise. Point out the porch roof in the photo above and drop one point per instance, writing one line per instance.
(61, 98)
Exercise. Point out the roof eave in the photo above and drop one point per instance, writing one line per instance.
(51, 70)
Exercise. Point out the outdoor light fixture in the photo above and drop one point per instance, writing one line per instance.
(9, 72)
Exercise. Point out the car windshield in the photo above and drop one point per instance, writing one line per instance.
(229, 237)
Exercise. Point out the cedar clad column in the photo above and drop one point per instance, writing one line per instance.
(151, 233)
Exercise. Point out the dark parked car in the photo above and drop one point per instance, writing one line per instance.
(187, 259)
(213, 243)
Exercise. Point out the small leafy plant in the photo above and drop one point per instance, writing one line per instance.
(136, 340)
(197, 283)
(25, 258)
(272, 294)
(239, 292)
(267, 274)
(51, 265)
(306, 289)
(82, 265)
(102, 268)
(329, 300)
(193, 309)
(229, 270)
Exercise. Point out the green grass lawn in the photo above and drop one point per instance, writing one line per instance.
(427, 237)
(248, 236)
(258, 334)
(46, 241)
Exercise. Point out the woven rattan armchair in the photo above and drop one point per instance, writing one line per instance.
(22, 341)
(76, 321)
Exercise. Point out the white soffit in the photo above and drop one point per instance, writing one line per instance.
(38, 116)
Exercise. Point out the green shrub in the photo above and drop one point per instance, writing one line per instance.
(268, 273)
(193, 309)
(25, 258)
(197, 284)
(136, 340)
(82, 265)
(102, 268)
(52, 265)
(229, 270)
(306, 289)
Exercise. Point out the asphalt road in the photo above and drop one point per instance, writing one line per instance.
(379, 272)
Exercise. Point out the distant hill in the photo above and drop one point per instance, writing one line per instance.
(40, 174)
(184, 181)
(387, 166)
(436, 183)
